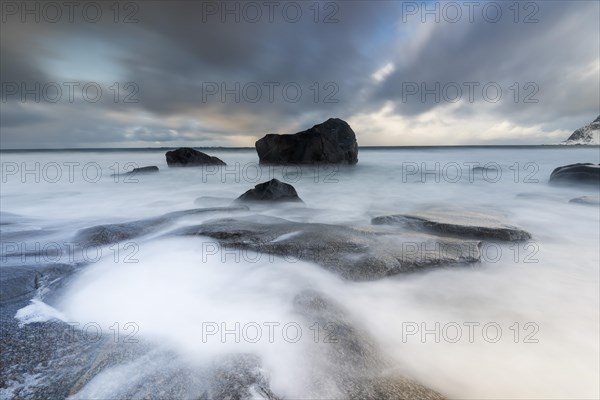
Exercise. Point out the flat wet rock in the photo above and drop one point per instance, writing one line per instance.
(101, 235)
(539, 196)
(21, 282)
(353, 253)
(477, 224)
(139, 171)
(349, 362)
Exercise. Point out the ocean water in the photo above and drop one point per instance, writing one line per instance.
(523, 323)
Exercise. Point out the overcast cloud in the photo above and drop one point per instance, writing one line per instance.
(162, 67)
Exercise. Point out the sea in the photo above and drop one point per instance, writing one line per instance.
(522, 323)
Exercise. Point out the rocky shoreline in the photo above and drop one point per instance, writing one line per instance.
(388, 244)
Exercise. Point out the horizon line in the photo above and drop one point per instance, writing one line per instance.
(253, 148)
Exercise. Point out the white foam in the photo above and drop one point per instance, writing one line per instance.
(171, 290)
(38, 311)
(286, 236)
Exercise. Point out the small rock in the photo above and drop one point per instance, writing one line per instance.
(273, 190)
(586, 200)
(143, 170)
(188, 157)
(481, 225)
(138, 171)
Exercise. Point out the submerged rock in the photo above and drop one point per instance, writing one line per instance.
(188, 157)
(348, 361)
(484, 170)
(539, 196)
(101, 235)
(332, 142)
(481, 225)
(356, 254)
(273, 190)
(212, 201)
(8, 218)
(586, 200)
(139, 171)
(577, 173)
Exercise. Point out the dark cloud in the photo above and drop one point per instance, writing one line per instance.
(545, 59)
(176, 55)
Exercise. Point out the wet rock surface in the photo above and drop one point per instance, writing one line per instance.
(349, 361)
(38, 360)
(581, 173)
(465, 223)
(21, 282)
(238, 376)
(54, 359)
(273, 190)
(101, 235)
(353, 253)
(352, 366)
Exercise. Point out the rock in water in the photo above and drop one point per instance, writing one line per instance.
(577, 173)
(139, 171)
(187, 157)
(273, 190)
(481, 225)
(102, 235)
(332, 142)
(348, 362)
(353, 253)
(586, 200)
(143, 170)
(589, 134)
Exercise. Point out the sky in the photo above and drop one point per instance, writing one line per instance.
(401, 73)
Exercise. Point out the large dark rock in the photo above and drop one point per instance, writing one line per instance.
(576, 173)
(355, 254)
(188, 157)
(477, 224)
(273, 190)
(349, 363)
(332, 142)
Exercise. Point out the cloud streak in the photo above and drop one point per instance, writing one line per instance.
(187, 73)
